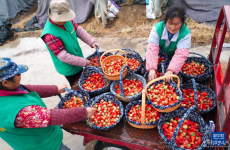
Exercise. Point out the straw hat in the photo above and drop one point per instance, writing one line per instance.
(59, 11)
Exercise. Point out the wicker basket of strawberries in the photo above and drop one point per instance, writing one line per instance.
(184, 129)
(197, 94)
(166, 96)
(128, 88)
(73, 99)
(198, 68)
(142, 114)
(93, 81)
(109, 112)
(134, 60)
(111, 65)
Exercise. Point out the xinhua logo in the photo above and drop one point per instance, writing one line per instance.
(218, 138)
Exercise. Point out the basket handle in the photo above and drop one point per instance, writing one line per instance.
(193, 108)
(113, 51)
(163, 68)
(143, 108)
(131, 50)
(98, 55)
(161, 78)
(76, 93)
(60, 96)
(210, 64)
(121, 79)
(97, 97)
(195, 90)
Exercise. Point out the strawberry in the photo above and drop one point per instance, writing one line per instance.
(113, 67)
(73, 102)
(133, 63)
(162, 94)
(106, 114)
(193, 68)
(95, 61)
(187, 137)
(151, 115)
(131, 87)
(94, 82)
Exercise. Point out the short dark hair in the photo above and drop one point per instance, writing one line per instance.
(175, 11)
(10, 79)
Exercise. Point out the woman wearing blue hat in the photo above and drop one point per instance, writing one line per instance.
(27, 123)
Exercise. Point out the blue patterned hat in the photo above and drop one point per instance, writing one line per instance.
(8, 68)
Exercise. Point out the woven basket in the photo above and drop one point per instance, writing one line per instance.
(142, 124)
(106, 97)
(131, 75)
(190, 114)
(87, 71)
(72, 93)
(98, 55)
(113, 77)
(196, 86)
(134, 54)
(201, 60)
(171, 107)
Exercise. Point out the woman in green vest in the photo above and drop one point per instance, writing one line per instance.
(173, 37)
(26, 123)
(61, 35)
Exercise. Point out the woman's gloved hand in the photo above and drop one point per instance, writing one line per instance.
(152, 74)
(88, 63)
(168, 73)
(95, 44)
(90, 112)
(60, 88)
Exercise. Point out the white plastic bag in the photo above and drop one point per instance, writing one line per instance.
(153, 8)
(113, 9)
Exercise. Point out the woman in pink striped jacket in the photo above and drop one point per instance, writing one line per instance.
(173, 37)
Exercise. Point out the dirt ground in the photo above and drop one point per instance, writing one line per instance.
(131, 22)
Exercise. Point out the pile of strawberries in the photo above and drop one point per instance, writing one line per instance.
(151, 115)
(193, 68)
(161, 60)
(106, 114)
(73, 102)
(131, 87)
(95, 61)
(133, 63)
(94, 82)
(204, 103)
(188, 136)
(188, 100)
(113, 67)
(162, 94)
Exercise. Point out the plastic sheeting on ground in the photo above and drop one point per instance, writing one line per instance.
(5, 32)
(203, 10)
(10, 8)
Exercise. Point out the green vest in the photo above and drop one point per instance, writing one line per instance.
(48, 138)
(70, 42)
(184, 30)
